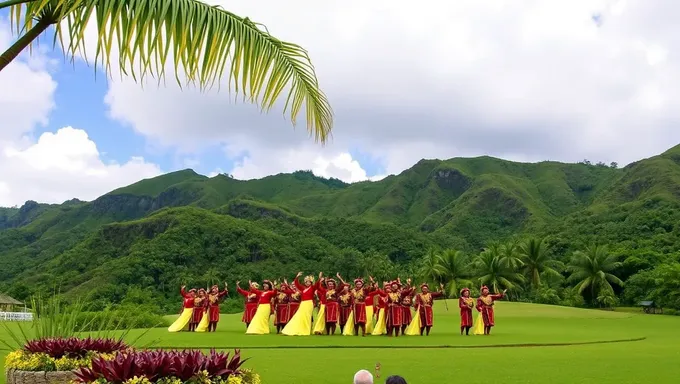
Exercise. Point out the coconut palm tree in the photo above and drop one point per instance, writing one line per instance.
(495, 272)
(510, 254)
(592, 269)
(537, 261)
(430, 269)
(454, 271)
(199, 39)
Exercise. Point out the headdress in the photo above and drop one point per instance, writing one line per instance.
(424, 285)
(192, 290)
(215, 287)
(201, 290)
(483, 288)
(331, 281)
(358, 280)
(309, 278)
(256, 285)
(463, 291)
(395, 282)
(268, 283)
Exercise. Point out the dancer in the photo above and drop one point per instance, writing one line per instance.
(485, 304)
(371, 312)
(200, 308)
(282, 307)
(187, 312)
(465, 303)
(301, 322)
(359, 294)
(320, 324)
(345, 302)
(381, 324)
(260, 323)
(424, 302)
(332, 306)
(294, 299)
(214, 298)
(407, 294)
(250, 302)
(394, 310)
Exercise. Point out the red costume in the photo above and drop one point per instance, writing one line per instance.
(465, 304)
(188, 298)
(250, 306)
(264, 297)
(214, 303)
(345, 301)
(359, 300)
(485, 305)
(329, 297)
(406, 303)
(282, 307)
(307, 292)
(394, 310)
(424, 303)
(200, 307)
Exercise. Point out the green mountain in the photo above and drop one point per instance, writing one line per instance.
(185, 227)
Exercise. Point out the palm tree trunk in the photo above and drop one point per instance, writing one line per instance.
(24, 41)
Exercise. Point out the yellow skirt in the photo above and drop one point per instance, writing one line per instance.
(369, 319)
(381, 326)
(478, 327)
(182, 320)
(349, 327)
(203, 325)
(301, 323)
(413, 329)
(320, 323)
(260, 323)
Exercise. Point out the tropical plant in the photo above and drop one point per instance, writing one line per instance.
(536, 261)
(454, 271)
(155, 365)
(196, 38)
(592, 270)
(493, 271)
(74, 347)
(430, 268)
(510, 254)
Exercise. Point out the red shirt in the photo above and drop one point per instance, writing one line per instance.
(307, 292)
(188, 299)
(265, 297)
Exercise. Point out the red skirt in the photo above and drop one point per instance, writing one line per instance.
(344, 314)
(332, 312)
(406, 316)
(197, 315)
(359, 313)
(282, 314)
(249, 312)
(214, 312)
(426, 317)
(466, 317)
(394, 316)
(487, 316)
(293, 308)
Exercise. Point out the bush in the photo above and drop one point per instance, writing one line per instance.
(117, 320)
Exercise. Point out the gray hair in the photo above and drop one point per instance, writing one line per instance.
(363, 377)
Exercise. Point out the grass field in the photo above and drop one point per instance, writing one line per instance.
(527, 346)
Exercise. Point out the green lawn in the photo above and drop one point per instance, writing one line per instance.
(445, 356)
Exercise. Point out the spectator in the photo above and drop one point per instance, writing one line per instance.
(395, 380)
(363, 377)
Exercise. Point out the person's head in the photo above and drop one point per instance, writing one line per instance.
(363, 377)
(485, 290)
(395, 380)
(424, 288)
(359, 283)
(192, 292)
(201, 292)
(215, 289)
(331, 284)
(309, 280)
(395, 286)
(266, 285)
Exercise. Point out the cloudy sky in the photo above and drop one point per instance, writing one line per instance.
(522, 80)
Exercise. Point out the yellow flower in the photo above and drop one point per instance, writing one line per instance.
(138, 380)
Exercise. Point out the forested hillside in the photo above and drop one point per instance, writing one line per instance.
(182, 227)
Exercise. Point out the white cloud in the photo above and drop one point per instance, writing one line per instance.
(26, 90)
(61, 166)
(526, 80)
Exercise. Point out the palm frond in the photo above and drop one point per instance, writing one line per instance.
(200, 41)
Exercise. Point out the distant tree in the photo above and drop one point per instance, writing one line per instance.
(454, 271)
(601, 164)
(537, 261)
(592, 269)
(614, 164)
(510, 254)
(494, 272)
(431, 269)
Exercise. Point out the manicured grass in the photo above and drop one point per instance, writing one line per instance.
(445, 356)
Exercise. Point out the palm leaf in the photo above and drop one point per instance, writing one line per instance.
(199, 40)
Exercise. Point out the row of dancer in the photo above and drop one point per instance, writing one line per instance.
(200, 309)
(351, 308)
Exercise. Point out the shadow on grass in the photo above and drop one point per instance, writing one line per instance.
(418, 346)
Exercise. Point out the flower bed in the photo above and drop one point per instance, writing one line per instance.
(53, 360)
(168, 367)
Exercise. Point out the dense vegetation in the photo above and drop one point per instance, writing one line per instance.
(573, 234)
